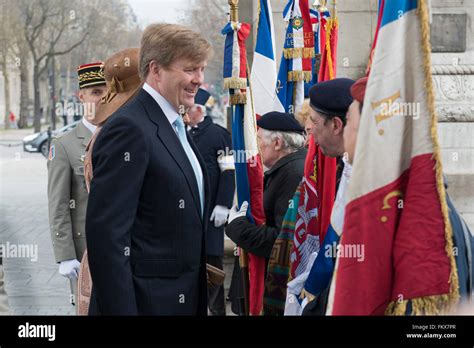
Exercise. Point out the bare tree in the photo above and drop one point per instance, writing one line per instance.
(45, 23)
(56, 36)
(4, 54)
(23, 55)
(14, 55)
(112, 26)
(209, 17)
(7, 46)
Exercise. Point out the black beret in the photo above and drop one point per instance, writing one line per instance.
(332, 97)
(201, 97)
(279, 121)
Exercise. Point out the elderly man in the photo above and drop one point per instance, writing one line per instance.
(148, 204)
(281, 143)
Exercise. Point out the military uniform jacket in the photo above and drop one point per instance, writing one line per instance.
(67, 194)
(214, 143)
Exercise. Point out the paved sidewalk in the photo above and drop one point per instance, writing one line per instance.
(34, 287)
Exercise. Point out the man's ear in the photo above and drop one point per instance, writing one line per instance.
(154, 69)
(81, 95)
(278, 143)
(338, 125)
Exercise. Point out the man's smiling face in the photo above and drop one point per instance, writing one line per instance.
(179, 82)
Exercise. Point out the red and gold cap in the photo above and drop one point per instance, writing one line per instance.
(91, 75)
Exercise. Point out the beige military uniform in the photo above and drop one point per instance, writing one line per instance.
(67, 194)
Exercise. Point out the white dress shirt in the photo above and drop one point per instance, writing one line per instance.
(88, 125)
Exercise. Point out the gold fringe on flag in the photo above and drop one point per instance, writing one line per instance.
(298, 52)
(332, 23)
(427, 305)
(235, 83)
(238, 98)
(299, 75)
(443, 303)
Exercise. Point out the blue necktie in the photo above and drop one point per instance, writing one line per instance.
(179, 124)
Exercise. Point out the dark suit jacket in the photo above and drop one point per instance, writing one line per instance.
(145, 231)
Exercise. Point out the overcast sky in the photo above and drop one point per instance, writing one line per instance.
(151, 11)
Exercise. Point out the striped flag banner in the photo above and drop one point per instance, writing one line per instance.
(263, 75)
(248, 164)
(297, 59)
(396, 212)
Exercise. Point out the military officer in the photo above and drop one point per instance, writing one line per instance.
(67, 195)
(215, 145)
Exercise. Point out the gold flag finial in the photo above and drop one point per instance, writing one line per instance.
(234, 10)
(320, 5)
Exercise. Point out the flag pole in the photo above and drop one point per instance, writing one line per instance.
(243, 255)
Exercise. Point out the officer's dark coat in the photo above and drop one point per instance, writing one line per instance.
(213, 142)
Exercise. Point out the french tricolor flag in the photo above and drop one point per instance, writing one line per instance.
(263, 77)
(396, 204)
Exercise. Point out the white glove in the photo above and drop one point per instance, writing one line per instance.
(235, 213)
(69, 268)
(219, 215)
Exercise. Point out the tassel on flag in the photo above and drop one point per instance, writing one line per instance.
(297, 59)
(248, 164)
(235, 61)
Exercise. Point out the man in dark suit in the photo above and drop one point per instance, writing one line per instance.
(148, 204)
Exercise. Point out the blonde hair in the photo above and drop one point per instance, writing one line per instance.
(302, 114)
(166, 43)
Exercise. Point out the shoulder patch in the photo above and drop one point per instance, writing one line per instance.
(52, 152)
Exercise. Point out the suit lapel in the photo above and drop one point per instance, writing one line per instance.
(171, 142)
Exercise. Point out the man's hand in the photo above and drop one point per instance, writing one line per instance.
(69, 268)
(236, 213)
(219, 215)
